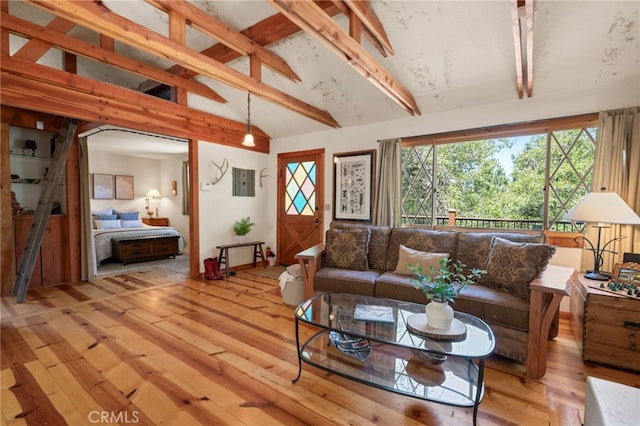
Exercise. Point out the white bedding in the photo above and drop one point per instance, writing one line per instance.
(102, 238)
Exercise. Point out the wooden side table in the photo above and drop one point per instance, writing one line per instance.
(606, 326)
(258, 253)
(156, 221)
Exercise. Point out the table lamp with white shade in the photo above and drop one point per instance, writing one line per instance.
(602, 208)
(152, 196)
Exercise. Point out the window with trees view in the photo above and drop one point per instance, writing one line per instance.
(527, 178)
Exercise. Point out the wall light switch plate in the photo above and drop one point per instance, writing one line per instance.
(205, 186)
(39, 125)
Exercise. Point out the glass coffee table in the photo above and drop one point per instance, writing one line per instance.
(366, 339)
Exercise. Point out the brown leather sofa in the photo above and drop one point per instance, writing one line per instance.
(519, 296)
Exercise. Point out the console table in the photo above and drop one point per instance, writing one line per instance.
(223, 257)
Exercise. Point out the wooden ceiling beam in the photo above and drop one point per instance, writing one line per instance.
(97, 17)
(235, 40)
(370, 21)
(308, 16)
(35, 48)
(36, 87)
(522, 18)
(342, 7)
(79, 47)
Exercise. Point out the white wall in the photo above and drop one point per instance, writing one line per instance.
(147, 174)
(219, 209)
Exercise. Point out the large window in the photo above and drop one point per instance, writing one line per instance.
(526, 177)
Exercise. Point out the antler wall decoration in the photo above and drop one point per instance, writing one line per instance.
(218, 170)
(263, 175)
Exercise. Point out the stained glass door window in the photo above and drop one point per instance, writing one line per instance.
(300, 185)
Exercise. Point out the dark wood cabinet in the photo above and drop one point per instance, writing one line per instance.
(144, 248)
(50, 264)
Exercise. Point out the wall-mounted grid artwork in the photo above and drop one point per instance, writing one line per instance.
(244, 182)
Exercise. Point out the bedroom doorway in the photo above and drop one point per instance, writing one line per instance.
(147, 164)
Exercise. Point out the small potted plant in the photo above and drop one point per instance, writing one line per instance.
(441, 286)
(243, 226)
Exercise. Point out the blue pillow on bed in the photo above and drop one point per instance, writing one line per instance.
(127, 215)
(104, 217)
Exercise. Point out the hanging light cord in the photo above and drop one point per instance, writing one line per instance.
(248, 112)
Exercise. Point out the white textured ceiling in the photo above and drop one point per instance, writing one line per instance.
(449, 54)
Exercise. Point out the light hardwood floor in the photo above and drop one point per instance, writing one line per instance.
(157, 348)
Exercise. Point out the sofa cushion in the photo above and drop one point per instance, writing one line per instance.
(420, 258)
(512, 266)
(347, 248)
(425, 240)
(490, 304)
(378, 242)
(473, 247)
(338, 280)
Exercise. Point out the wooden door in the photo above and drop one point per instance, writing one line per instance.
(300, 202)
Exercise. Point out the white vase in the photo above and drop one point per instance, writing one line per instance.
(439, 315)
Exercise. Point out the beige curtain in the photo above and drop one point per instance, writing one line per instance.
(185, 188)
(88, 267)
(617, 169)
(387, 207)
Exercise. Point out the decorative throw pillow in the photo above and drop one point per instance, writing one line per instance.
(426, 240)
(512, 266)
(415, 257)
(95, 217)
(107, 224)
(124, 215)
(347, 249)
(473, 248)
(378, 242)
(108, 210)
(131, 223)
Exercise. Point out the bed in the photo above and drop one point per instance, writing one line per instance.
(102, 238)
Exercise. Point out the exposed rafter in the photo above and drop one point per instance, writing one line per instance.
(98, 18)
(226, 35)
(78, 47)
(311, 18)
(522, 26)
(370, 20)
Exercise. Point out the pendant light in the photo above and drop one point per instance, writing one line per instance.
(248, 138)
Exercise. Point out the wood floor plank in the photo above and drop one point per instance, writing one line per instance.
(163, 349)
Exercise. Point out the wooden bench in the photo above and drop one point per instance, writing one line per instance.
(258, 253)
(145, 248)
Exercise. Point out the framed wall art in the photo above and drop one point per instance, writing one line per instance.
(353, 185)
(628, 272)
(124, 187)
(102, 186)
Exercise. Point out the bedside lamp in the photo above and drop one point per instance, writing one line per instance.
(152, 195)
(603, 208)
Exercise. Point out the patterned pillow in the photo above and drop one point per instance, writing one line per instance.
(107, 224)
(108, 210)
(127, 215)
(474, 247)
(347, 249)
(415, 257)
(378, 242)
(512, 266)
(95, 217)
(425, 240)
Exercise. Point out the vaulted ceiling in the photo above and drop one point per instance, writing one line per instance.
(353, 62)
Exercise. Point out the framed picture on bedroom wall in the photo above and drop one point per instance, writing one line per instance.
(102, 186)
(124, 187)
(353, 181)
